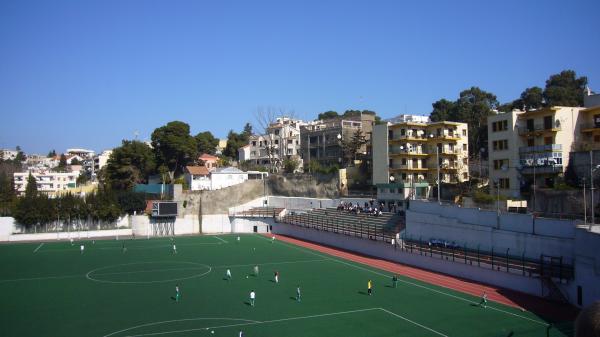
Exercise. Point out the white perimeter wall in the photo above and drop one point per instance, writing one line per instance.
(387, 252)
(474, 227)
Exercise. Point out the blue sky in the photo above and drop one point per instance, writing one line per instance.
(91, 73)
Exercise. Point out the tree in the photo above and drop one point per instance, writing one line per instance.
(129, 164)
(83, 178)
(31, 188)
(290, 165)
(443, 110)
(75, 161)
(472, 107)
(20, 155)
(565, 89)
(174, 146)
(531, 98)
(351, 147)
(327, 115)
(7, 193)
(52, 154)
(62, 164)
(206, 143)
(236, 140)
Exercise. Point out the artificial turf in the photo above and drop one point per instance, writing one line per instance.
(56, 291)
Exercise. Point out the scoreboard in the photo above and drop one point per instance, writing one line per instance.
(164, 208)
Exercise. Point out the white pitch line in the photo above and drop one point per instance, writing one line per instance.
(413, 322)
(148, 271)
(255, 323)
(268, 263)
(40, 278)
(335, 259)
(221, 239)
(180, 320)
(38, 247)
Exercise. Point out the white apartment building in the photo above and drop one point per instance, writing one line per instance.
(101, 160)
(409, 154)
(82, 153)
(7, 154)
(47, 182)
(199, 178)
(529, 148)
(281, 141)
(39, 162)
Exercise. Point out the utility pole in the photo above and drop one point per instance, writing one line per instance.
(437, 153)
(592, 189)
(584, 204)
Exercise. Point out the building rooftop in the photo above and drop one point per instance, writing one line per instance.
(197, 170)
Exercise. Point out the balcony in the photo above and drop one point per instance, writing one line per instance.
(547, 169)
(590, 127)
(447, 151)
(451, 137)
(400, 153)
(539, 128)
(414, 138)
(408, 168)
(540, 148)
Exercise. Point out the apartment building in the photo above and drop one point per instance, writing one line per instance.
(410, 152)
(532, 147)
(47, 182)
(7, 154)
(322, 140)
(281, 141)
(101, 160)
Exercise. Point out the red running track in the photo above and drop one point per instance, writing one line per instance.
(537, 305)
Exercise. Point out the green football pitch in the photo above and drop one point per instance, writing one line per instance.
(52, 289)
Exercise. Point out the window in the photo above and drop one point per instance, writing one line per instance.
(530, 142)
(276, 141)
(390, 134)
(465, 161)
(391, 163)
(402, 132)
(254, 143)
(548, 122)
(464, 132)
(596, 138)
(504, 183)
(494, 127)
(464, 147)
(547, 140)
(500, 145)
(403, 176)
(290, 141)
(499, 163)
(276, 132)
(505, 125)
(403, 161)
(439, 132)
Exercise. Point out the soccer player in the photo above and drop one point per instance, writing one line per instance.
(483, 302)
(81, 248)
(272, 239)
(177, 293)
(395, 280)
(298, 295)
(174, 249)
(71, 241)
(252, 297)
(238, 239)
(369, 287)
(241, 334)
(228, 274)
(256, 270)
(124, 249)
(276, 277)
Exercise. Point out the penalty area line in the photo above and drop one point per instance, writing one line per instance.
(38, 247)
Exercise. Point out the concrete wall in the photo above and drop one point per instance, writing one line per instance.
(386, 251)
(68, 235)
(380, 154)
(7, 227)
(475, 228)
(587, 268)
(246, 225)
(311, 186)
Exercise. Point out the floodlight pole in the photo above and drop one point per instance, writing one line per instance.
(592, 189)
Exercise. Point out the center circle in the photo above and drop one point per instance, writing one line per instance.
(148, 272)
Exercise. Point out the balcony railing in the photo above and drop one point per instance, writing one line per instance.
(524, 130)
(589, 127)
(540, 148)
